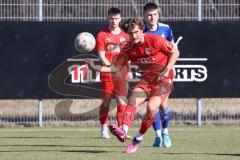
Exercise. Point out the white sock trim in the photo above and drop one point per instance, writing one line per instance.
(165, 130)
(139, 136)
(158, 133)
(125, 128)
(104, 127)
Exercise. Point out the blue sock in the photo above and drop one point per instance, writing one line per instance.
(165, 114)
(157, 122)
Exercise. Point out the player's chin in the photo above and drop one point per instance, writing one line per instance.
(153, 22)
(136, 41)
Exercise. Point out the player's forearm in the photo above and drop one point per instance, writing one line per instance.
(173, 58)
(129, 66)
(100, 68)
(103, 58)
(105, 61)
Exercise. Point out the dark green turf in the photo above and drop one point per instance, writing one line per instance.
(189, 142)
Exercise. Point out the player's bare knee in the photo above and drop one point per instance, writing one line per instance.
(163, 106)
(121, 100)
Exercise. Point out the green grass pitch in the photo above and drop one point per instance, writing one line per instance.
(189, 142)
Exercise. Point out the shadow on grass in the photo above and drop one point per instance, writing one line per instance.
(52, 145)
(85, 151)
(37, 137)
(216, 154)
(70, 151)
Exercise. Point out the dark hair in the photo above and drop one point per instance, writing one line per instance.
(150, 6)
(131, 23)
(114, 11)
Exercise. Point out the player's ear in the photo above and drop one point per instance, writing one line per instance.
(121, 25)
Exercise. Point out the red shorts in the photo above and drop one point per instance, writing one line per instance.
(162, 89)
(114, 88)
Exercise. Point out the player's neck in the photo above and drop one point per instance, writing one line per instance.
(152, 27)
(114, 30)
(141, 41)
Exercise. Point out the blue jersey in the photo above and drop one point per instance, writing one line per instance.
(163, 30)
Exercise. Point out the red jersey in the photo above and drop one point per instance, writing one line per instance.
(151, 56)
(111, 44)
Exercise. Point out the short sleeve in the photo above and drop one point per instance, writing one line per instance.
(100, 42)
(164, 45)
(169, 35)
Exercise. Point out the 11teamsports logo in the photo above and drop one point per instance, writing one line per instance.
(193, 70)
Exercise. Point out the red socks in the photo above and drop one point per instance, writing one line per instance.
(125, 114)
(146, 122)
(120, 113)
(129, 115)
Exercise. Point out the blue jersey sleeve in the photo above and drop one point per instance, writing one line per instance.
(163, 30)
(169, 34)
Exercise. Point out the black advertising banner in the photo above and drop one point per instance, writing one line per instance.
(38, 60)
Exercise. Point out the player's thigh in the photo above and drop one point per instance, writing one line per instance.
(153, 103)
(121, 91)
(137, 96)
(165, 102)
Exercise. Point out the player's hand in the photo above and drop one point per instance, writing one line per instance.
(164, 74)
(129, 75)
(90, 63)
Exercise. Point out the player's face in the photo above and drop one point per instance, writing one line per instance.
(136, 35)
(151, 17)
(114, 20)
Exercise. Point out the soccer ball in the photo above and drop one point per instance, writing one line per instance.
(84, 42)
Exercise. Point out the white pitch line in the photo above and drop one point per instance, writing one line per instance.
(79, 59)
(192, 59)
(179, 59)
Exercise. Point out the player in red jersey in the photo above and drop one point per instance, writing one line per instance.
(155, 56)
(108, 45)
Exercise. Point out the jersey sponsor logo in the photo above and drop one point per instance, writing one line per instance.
(112, 47)
(146, 60)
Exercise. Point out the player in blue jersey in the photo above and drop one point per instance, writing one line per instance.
(162, 118)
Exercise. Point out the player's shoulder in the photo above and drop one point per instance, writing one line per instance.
(163, 25)
(122, 33)
(103, 31)
(152, 37)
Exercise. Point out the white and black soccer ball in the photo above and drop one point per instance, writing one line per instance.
(84, 42)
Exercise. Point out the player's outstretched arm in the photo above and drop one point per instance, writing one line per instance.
(102, 56)
(99, 68)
